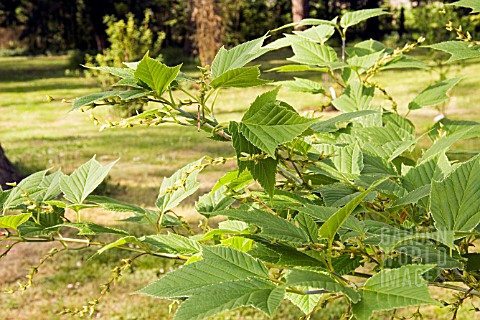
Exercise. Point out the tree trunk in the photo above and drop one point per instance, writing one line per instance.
(300, 10)
(8, 173)
(209, 29)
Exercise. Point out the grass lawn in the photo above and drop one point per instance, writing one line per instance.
(37, 135)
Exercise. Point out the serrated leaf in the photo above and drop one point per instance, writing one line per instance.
(262, 170)
(459, 50)
(121, 242)
(114, 205)
(305, 302)
(239, 78)
(333, 224)
(319, 280)
(29, 185)
(156, 74)
(413, 197)
(391, 289)
(173, 243)
(213, 201)
(311, 53)
(50, 186)
(433, 95)
(89, 100)
(454, 201)
(352, 18)
(84, 180)
(428, 254)
(307, 224)
(272, 226)
(238, 56)
(118, 72)
(297, 68)
(302, 85)
(442, 144)
(320, 33)
(128, 82)
(330, 124)
(219, 265)
(267, 124)
(14, 221)
(405, 62)
(90, 228)
(258, 293)
(472, 4)
(234, 180)
(355, 97)
(182, 184)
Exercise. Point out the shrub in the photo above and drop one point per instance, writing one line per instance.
(348, 208)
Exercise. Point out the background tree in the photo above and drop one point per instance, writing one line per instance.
(300, 10)
(8, 173)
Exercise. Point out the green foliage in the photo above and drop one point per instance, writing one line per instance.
(127, 39)
(355, 196)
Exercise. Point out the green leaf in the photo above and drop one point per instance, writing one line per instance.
(121, 242)
(262, 170)
(89, 100)
(114, 205)
(272, 226)
(173, 243)
(268, 124)
(118, 72)
(83, 181)
(433, 95)
(128, 82)
(472, 4)
(442, 144)
(307, 224)
(319, 280)
(311, 53)
(305, 302)
(320, 33)
(330, 124)
(29, 186)
(182, 184)
(155, 74)
(219, 265)
(428, 254)
(454, 201)
(356, 97)
(239, 78)
(391, 289)
(50, 186)
(333, 224)
(238, 56)
(297, 68)
(90, 228)
(459, 50)
(260, 294)
(213, 201)
(405, 62)
(234, 180)
(413, 197)
(434, 168)
(352, 18)
(302, 85)
(14, 221)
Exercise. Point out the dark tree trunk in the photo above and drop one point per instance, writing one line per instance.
(8, 173)
(300, 10)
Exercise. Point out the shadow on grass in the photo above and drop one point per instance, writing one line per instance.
(27, 88)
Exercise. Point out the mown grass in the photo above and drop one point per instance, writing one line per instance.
(37, 135)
